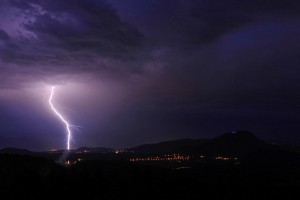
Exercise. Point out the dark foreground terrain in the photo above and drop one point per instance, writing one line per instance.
(260, 175)
(232, 166)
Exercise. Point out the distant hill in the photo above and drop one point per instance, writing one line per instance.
(182, 146)
(233, 144)
(16, 151)
(229, 144)
(93, 150)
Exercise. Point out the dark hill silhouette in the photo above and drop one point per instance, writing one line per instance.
(229, 144)
(233, 144)
(10, 150)
(93, 150)
(176, 146)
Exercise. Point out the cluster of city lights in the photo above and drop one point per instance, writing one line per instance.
(225, 158)
(72, 162)
(167, 157)
(222, 158)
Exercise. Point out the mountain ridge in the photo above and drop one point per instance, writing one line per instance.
(229, 144)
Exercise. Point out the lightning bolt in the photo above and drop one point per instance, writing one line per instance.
(68, 126)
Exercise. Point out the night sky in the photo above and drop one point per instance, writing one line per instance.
(130, 72)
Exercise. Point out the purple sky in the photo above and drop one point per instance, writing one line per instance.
(131, 72)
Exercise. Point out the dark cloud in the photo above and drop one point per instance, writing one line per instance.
(187, 24)
(3, 35)
(55, 33)
(95, 28)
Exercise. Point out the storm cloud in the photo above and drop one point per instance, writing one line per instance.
(59, 37)
(156, 69)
